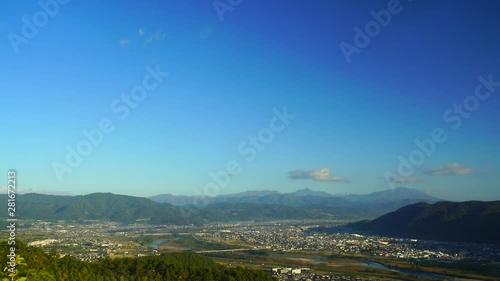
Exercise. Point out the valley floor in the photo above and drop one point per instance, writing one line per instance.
(286, 249)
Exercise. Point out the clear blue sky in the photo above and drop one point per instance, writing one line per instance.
(226, 78)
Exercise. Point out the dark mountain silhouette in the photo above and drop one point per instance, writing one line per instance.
(471, 221)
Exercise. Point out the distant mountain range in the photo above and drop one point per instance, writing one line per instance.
(251, 205)
(467, 221)
(129, 209)
(471, 221)
(306, 197)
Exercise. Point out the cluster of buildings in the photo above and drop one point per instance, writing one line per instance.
(288, 270)
(94, 240)
(305, 274)
(322, 277)
(290, 238)
(87, 242)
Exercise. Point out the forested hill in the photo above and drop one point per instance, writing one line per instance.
(100, 206)
(472, 221)
(166, 267)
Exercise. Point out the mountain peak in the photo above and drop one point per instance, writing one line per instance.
(309, 192)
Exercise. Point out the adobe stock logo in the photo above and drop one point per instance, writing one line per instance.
(363, 38)
(221, 7)
(31, 24)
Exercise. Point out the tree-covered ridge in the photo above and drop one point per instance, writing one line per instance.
(129, 209)
(166, 267)
(471, 221)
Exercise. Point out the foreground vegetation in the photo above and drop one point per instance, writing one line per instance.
(166, 267)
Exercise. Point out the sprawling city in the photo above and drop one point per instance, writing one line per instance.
(288, 250)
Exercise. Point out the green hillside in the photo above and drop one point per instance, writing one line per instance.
(166, 267)
(472, 221)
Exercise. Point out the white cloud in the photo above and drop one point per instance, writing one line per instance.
(156, 36)
(451, 169)
(145, 37)
(3, 189)
(320, 174)
(141, 32)
(124, 42)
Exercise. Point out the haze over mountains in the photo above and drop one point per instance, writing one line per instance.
(252, 205)
(399, 196)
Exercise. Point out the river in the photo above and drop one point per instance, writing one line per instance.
(423, 274)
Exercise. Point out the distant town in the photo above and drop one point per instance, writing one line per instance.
(93, 240)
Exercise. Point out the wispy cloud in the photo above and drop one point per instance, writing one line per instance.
(320, 174)
(3, 189)
(451, 169)
(124, 42)
(141, 32)
(145, 37)
(398, 179)
(155, 36)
